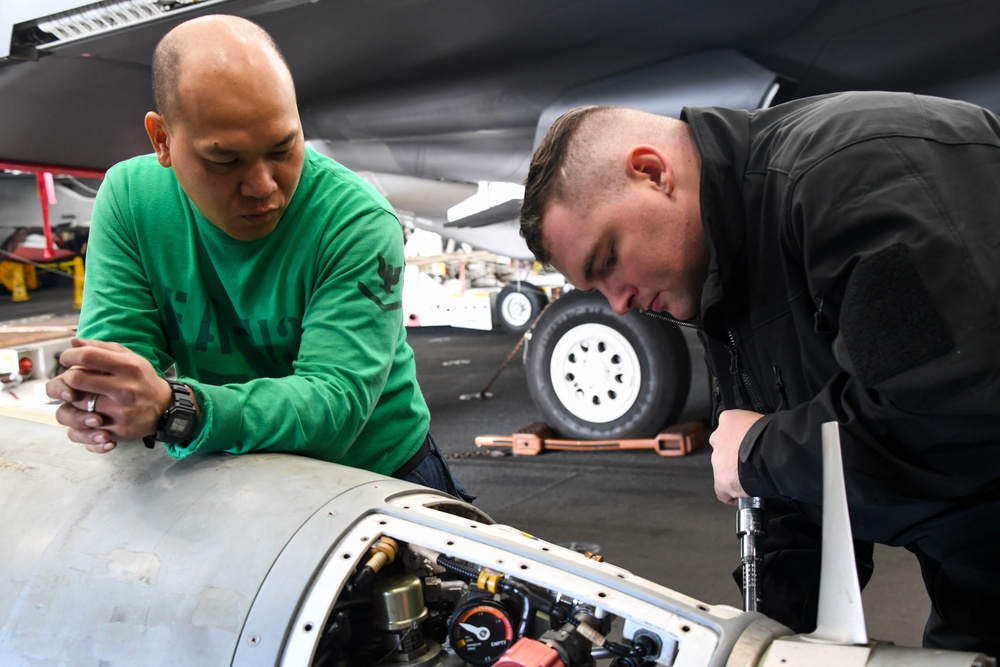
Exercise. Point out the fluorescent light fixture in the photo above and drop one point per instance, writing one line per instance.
(100, 17)
(46, 24)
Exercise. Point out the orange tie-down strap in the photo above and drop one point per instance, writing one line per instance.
(677, 440)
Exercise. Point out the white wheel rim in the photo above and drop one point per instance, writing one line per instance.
(516, 309)
(595, 373)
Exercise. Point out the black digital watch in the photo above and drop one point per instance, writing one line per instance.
(179, 421)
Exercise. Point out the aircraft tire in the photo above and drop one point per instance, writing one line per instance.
(518, 304)
(596, 375)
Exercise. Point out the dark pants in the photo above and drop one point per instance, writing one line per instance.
(959, 556)
(434, 472)
(955, 544)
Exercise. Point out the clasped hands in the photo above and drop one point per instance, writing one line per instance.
(110, 394)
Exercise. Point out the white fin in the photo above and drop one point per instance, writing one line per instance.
(841, 618)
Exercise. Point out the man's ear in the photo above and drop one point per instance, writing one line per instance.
(647, 164)
(157, 131)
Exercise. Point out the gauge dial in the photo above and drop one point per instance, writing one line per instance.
(481, 631)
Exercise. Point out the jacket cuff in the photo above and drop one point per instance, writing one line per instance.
(749, 452)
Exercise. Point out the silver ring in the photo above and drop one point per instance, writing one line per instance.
(91, 403)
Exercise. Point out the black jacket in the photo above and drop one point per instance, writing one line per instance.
(855, 244)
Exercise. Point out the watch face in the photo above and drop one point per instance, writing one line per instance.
(179, 425)
(180, 420)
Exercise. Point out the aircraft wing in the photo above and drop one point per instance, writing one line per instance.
(455, 90)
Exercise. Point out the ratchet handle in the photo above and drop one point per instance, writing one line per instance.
(751, 527)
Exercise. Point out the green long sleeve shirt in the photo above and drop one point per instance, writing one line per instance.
(293, 342)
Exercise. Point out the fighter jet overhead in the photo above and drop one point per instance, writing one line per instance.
(454, 90)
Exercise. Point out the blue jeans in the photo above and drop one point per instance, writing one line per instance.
(434, 472)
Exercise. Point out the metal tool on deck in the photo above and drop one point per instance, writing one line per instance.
(536, 438)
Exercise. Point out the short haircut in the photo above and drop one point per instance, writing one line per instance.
(566, 165)
(169, 54)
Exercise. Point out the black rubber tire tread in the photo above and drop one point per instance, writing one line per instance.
(663, 358)
(535, 295)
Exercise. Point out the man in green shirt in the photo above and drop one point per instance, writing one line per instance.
(266, 276)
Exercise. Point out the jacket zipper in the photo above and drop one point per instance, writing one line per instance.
(659, 316)
(735, 368)
(779, 386)
(820, 323)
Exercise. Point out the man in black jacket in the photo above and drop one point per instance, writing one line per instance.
(841, 258)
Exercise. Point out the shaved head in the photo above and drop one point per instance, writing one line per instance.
(227, 122)
(206, 45)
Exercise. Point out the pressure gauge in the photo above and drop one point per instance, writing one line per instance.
(481, 630)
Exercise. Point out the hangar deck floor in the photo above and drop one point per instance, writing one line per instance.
(657, 517)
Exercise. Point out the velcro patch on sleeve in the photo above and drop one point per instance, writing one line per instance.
(888, 319)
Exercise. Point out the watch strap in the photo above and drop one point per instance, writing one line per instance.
(178, 423)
